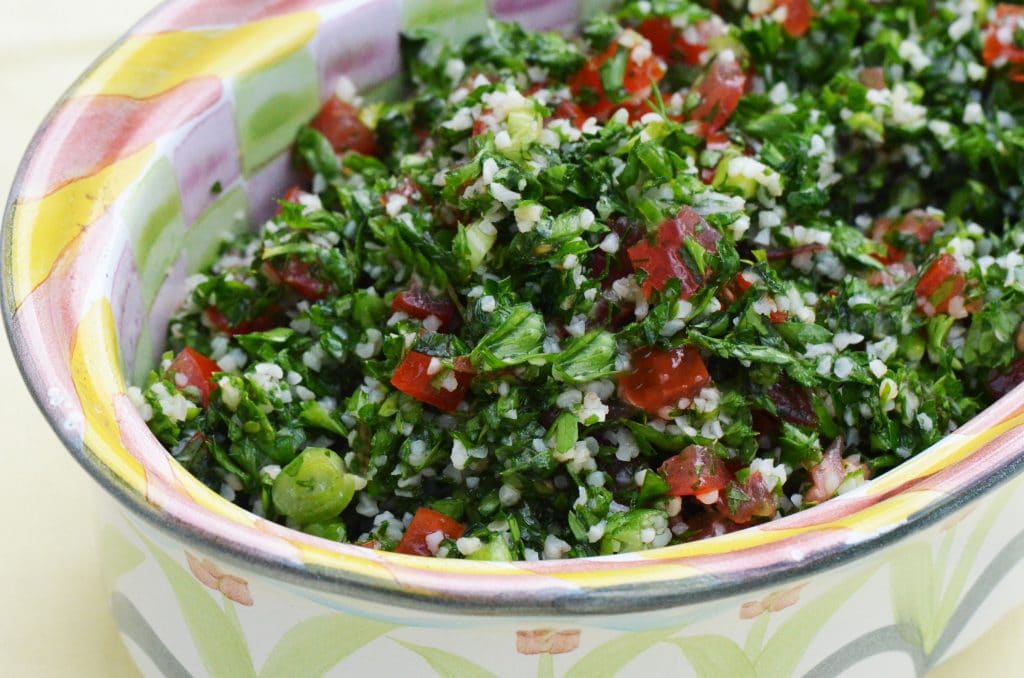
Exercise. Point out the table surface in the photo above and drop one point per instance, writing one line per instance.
(54, 620)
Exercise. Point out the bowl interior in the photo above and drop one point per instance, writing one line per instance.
(179, 137)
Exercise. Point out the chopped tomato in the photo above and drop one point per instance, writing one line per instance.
(1001, 383)
(636, 86)
(939, 285)
(298, 275)
(412, 378)
(689, 43)
(662, 261)
(792, 403)
(339, 121)
(695, 470)
(783, 253)
(828, 474)
(719, 91)
(798, 16)
(917, 223)
(419, 304)
(194, 369)
(426, 522)
(217, 320)
(776, 317)
(1000, 41)
(569, 110)
(752, 499)
(659, 379)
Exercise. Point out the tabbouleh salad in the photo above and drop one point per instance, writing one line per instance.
(690, 271)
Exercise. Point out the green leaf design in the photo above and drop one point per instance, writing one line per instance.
(119, 555)
(958, 580)
(612, 656)
(787, 647)
(216, 634)
(546, 666)
(755, 638)
(446, 663)
(713, 656)
(915, 589)
(312, 647)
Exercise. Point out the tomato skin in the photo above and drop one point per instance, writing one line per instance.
(690, 43)
(197, 370)
(298, 275)
(339, 121)
(425, 522)
(761, 503)
(411, 378)
(662, 261)
(695, 470)
(217, 320)
(570, 110)
(637, 82)
(939, 284)
(792, 403)
(798, 16)
(416, 303)
(659, 379)
(994, 51)
(917, 223)
(720, 91)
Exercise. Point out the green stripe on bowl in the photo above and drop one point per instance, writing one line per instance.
(271, 105)
(224, 219)
(457, 20)
(154, 211)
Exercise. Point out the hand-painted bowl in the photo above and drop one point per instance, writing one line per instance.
(113, 208)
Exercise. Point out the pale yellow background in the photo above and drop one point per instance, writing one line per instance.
(53, 616)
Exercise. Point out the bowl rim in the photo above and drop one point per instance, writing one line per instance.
(617, 598)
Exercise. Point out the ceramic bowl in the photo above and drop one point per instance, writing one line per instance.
(113, 208)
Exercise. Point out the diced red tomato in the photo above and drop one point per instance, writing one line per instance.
(798, 16)
(192, 368)
(291, 195)
(1000, 46)
(783, 253)
(689, 43)
(217, 320)
(426, 522)
(939, 284)
(662, 261)
(411, 378)
(776, 317)
(299, 276)
(759, 501)
(570, 110)
(418, 304)
(828, 474)
(695, 470)
(339, 121)
(793, 403)
(659, 379)
(637, 82)
(1001, 383)
(720, 91)
(917, 223)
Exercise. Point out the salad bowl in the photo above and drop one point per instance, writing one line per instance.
(113, 209)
